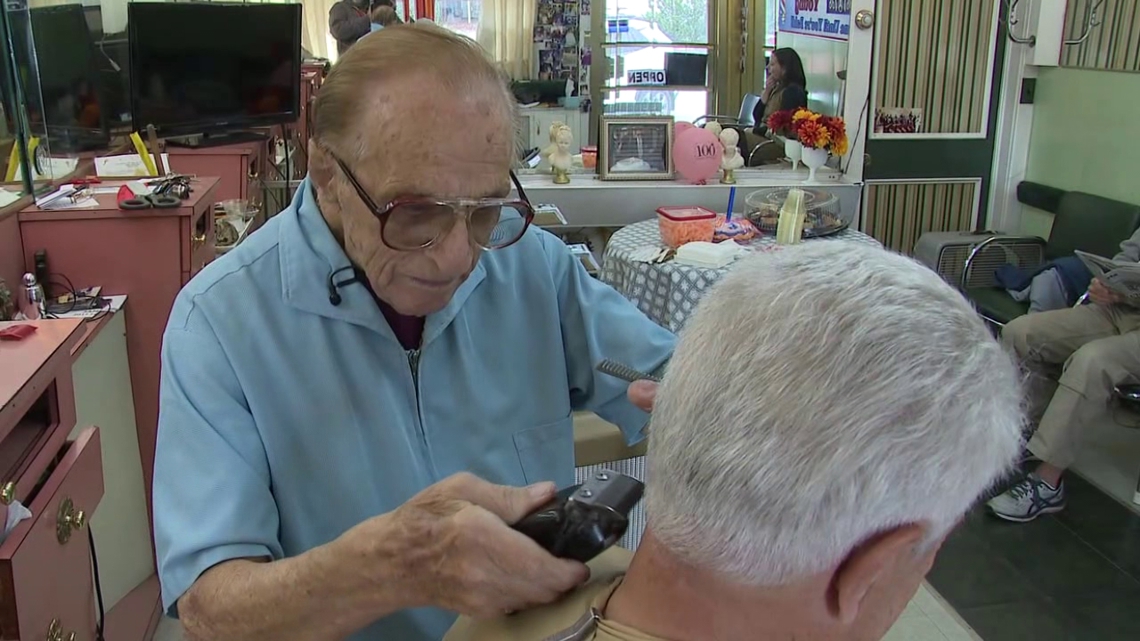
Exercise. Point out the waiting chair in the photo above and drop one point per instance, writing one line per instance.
(743, 122)
(1081, 221)
(746, 119)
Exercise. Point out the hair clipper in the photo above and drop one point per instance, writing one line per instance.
(584, 520)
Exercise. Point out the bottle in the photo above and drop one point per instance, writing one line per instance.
(34, 306)
(569, 87)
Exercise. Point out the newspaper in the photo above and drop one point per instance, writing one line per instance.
(1119, 276)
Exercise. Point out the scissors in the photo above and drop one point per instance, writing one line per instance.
(158, 201)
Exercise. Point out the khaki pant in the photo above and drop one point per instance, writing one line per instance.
(1074, 359)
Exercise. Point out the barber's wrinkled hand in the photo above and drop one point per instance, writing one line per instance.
(457, 551)
(642, 393)
(1100, 294)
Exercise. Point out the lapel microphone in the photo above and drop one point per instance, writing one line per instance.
(334, 285)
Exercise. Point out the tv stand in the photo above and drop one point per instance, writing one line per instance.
(199, 141)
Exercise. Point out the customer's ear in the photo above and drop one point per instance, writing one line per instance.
(322, 167)
(876, 559)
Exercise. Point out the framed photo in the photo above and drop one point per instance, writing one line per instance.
(636, 148)
(898, 121)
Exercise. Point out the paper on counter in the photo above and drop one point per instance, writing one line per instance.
(7, 197)
(114, 304)
(63, 198)
(56, 168)
(126, 165)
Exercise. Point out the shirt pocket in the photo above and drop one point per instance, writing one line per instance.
(546, 452)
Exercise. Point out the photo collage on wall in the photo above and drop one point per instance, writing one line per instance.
(562, 39)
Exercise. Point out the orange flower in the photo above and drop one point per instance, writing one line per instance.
(835, 126)
(804, 114)
(839, 145)
(813, 135)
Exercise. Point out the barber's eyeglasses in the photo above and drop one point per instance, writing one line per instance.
(412, 223)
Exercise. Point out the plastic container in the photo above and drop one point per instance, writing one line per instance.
(589, 157)
(680, 225)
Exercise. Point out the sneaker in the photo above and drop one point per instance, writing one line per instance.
(1028, 500)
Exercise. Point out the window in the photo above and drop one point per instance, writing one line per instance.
(460, 16)
(643, 35)
(771, 19)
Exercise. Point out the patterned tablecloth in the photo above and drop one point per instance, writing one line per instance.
(668, 292)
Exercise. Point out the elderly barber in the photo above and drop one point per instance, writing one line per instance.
(326, 384)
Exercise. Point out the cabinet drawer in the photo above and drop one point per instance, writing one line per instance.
(29, 448)
(45, 564)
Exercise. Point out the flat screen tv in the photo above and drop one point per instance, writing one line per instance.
(202, 68)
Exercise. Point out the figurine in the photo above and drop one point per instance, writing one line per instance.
(558, 153)
(732, 159)
(713, 126)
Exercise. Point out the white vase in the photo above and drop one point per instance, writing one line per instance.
(814, 159)
(794, 152)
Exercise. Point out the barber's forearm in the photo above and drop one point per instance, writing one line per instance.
(316, 596)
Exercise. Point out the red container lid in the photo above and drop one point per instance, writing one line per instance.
(685, 214)
(589, 149)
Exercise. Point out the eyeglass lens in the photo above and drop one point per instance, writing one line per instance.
(414, 225)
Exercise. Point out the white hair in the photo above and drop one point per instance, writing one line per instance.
(820, 395)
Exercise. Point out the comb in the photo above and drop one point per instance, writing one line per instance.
(624, 372)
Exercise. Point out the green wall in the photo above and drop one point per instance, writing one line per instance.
(1086, 137)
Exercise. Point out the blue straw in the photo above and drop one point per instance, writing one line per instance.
(731, 201)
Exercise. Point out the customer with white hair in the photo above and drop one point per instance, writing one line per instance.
(820, 403)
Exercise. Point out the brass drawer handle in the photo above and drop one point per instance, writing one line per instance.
(68, 520)
(8, 493)
(55, 632)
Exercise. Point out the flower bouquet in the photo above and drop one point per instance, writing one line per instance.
(820, 136)
(780, 124)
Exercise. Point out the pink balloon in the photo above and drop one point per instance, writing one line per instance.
(682, 126)
(697, 153)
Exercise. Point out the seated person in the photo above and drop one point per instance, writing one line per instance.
(1074, 357)
(785, 88)
(797, 475)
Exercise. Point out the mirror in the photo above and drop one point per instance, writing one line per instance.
(657, 58)
(817, 32)
(14, 149)
(1101, 34)
(802, 62)
(819, 38)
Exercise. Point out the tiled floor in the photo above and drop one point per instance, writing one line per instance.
(1074, 576)
(1110, 459)
(927, 618)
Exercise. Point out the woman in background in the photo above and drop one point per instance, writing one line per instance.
(785, 88)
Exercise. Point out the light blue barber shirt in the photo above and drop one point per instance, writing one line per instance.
(286, 420)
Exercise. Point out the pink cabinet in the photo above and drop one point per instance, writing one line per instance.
(45, 563)
(148, 255)
(46, 587)
(237, 166)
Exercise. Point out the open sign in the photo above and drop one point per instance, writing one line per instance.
(646, 77)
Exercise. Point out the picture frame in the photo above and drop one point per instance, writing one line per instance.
(636, 148)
